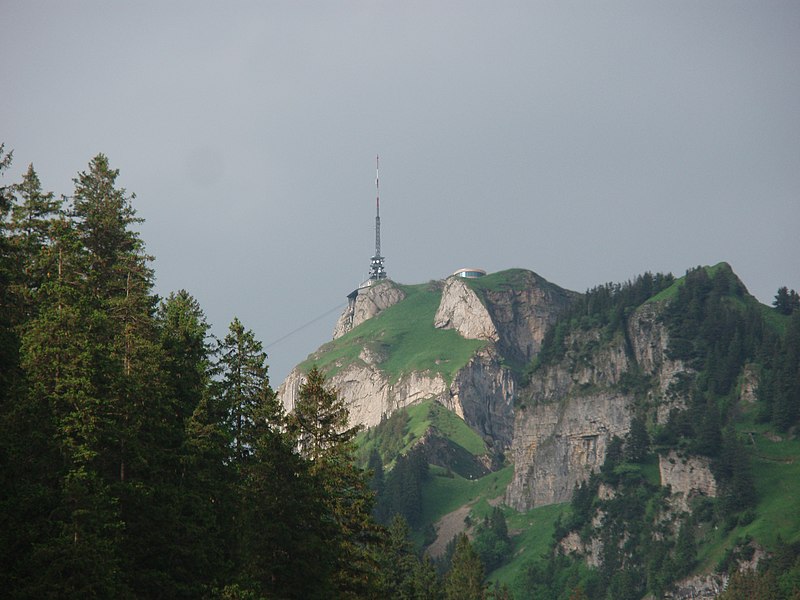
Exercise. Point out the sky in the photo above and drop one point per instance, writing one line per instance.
(587, 141)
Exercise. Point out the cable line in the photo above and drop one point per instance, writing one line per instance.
(311, 322)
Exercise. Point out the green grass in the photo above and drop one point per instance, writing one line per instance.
(454, 428)
(422, 417)
(672, 291)
(773, 318)
(404, 338)
(442, 494)
(419, 418)
(531, 536)
(776, 473)
(510, 279)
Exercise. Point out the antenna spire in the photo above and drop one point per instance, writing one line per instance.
(377, 270)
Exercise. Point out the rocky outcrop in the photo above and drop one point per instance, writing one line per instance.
(511, 319)
(698, 587)
(462, 310)
(483, 393)
(649, 340)
(687, 477)
(571, 410)
(367, 303)
(369, 393)
(590, 551)
(557, 445)
(748, 390)
(522, 314)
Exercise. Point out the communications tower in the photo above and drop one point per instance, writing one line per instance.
(376, 268)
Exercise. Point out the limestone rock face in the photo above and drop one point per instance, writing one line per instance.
(749, 389)
(512, 320)
(369, 302)
(557, 428)
(522, 314)
(649, 341)
(571, 410)
(688, 477)
(483, 394)
(557, 445)
(368, 392)
(698, 587)
(462, 310)
(591, 552)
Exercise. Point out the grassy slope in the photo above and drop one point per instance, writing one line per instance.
(672, 291)
(776, 471)
(404, 337)
(422, 417)
(774, 319)
(531, 536)
(510, 279)
(444, 494)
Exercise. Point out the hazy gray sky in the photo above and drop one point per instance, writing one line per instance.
(587, 141)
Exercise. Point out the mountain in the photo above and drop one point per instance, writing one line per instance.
(459, 342)
(618, 429)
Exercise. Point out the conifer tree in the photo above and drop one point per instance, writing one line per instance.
(278, 541)
(398, 564)
(320, 424)
(81, 547)
(283, 546)
(197, 486)
(464, 581)
(32, 221)
(244, 374)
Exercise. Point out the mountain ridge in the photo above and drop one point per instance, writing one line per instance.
(563, 387)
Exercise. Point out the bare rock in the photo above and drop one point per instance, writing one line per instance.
(591, 552)
(557, 445)
(367, 303)
(368, 392)
(687, 477)
(522, 314)
(698, 587)
(649, 340)
(462, 310)
(482, 393)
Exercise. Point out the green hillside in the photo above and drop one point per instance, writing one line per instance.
(403, 338)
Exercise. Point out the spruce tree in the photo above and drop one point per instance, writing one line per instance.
(464, 581)
(244, 373)
(278, 544)
(196, 484)
(320, 424)
(80, 550)
(282, 514)
(32, 221)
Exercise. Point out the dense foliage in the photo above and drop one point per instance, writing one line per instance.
(604, 306)
(141, 458)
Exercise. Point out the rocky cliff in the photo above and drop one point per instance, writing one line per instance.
(509, 313)
(367, 303)
(571, 410)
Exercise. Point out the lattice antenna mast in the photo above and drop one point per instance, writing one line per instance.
(377, 270)
(377, 206)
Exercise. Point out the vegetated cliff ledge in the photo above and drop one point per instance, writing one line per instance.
(456, 341)
(571, 410)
